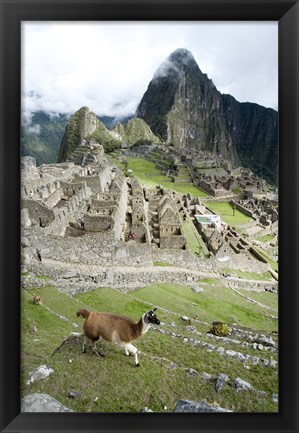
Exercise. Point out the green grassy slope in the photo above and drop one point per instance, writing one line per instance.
(113, 383)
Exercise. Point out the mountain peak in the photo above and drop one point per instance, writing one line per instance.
(182, 55)
(176, 63)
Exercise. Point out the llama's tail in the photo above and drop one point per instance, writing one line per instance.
(83, 313)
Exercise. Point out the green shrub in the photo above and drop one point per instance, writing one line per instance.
(220, 329)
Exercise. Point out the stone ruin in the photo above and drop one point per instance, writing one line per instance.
(90, 213)
(72, 200)
(265, 211)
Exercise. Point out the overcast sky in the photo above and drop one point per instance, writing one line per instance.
(108, 66)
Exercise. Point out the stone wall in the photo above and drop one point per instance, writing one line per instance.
(90, 249)
(94, 222)
(172, 241)
(105, 179)
(92, 181)
(38, 213)
(182, 258)
(54, 197)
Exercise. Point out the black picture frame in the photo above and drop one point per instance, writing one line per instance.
(13, 12)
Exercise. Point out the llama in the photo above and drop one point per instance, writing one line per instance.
(117, 329)
(191, 320)
(37, 300)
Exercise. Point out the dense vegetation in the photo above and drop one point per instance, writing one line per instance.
(43, 136)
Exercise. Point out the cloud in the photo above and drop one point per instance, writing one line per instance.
(108, 66)
(34, 128)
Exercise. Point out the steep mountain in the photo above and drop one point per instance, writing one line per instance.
(254, 131)
(135, 130)
(183, 107)
(84, 125)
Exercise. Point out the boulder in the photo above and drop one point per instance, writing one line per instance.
(220, 382)
(39, 373)
(37, 402)
(241, 385)
(197, 406)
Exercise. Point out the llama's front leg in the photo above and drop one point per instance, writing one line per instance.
(130, 348)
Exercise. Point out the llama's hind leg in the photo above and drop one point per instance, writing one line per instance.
(95, 349)
(84, 345)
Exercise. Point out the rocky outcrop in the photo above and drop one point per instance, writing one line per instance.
(183, 107)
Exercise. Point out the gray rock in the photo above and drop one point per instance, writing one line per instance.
(265, 362)
(241, 385)
(240, 356)
(273, 363)
(121, 253)
(146, 409)
(221, 350)
(73, 394)
(42, 403)
(220, 382)
(206, 376)
(197, 406)
(275, 398)
(192, 372)
(197, 289)
(230, 352)
(89, 255)
(39, 373)
(267, 341)
(25, 242)
(255, 360)
(70, 274)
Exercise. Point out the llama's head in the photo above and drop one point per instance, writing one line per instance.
(150, 317)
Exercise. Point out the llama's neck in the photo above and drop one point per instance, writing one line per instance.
(145, 325)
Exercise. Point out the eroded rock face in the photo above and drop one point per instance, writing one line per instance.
(37, 402)
(183, 107)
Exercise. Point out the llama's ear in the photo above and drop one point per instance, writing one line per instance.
(154, 309)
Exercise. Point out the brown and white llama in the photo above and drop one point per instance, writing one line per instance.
(117, 329)
(37, 300)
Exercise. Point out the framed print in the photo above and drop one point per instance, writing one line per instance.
(149, 216)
